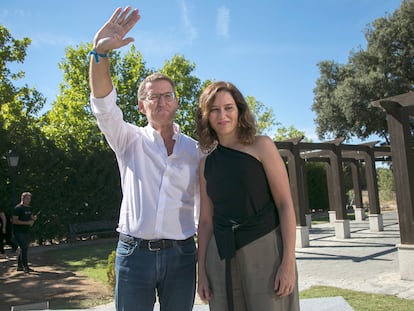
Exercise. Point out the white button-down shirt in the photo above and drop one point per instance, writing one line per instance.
(160, 192)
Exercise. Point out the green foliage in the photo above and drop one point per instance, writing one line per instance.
(284, 133)
(128, 71)
(70, 123)
(11, 51)
(343, 93)
(19, 127)
(188, 89)
(386, 186)
(110, 270)
(265, 119)
(317, 186)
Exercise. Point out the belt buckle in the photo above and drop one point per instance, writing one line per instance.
(153, 249)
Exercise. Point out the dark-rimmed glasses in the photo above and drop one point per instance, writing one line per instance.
(155, 98)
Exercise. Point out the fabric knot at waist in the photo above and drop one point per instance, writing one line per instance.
(232, 235)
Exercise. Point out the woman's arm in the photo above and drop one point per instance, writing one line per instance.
(204, 233)
(279, 184)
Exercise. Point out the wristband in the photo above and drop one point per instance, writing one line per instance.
(96, 55)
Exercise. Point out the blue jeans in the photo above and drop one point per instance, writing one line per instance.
(142, 273)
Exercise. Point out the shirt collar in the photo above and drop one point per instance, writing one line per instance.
(153, 132)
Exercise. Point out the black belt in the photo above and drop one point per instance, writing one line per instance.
(152, 245)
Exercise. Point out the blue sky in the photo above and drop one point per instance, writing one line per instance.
(268, 48)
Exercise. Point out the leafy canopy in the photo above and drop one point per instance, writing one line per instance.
(344, 92)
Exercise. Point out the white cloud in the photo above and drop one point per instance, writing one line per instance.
(5, 13)
(190, 30)
(223, 22)
(52, 40)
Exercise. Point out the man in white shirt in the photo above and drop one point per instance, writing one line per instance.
(158, 165)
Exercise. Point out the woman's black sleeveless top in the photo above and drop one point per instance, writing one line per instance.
(242, 199)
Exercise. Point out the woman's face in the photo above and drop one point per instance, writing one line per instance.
(223, 116)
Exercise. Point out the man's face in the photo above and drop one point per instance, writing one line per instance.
(27, 199)
(160, 103)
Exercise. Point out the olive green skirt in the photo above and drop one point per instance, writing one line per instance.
(253, 272)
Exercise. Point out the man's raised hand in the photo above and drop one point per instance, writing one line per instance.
(112, 34)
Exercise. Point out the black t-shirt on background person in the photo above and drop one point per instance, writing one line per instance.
(24, 213)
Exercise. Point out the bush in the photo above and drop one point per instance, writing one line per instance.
(386, 186)
(110, 269)
(317, 186)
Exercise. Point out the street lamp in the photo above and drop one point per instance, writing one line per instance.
(13, 161)
(13, 158)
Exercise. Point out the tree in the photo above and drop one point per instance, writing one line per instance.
(19, 126)
(284, 133)
(188, 89)
(128, 71)
(343, 93)
(265, 119)
(69, 123)
(386, 185)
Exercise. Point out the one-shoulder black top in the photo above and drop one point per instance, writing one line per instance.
(243, 204)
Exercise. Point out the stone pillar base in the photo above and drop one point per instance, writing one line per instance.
(359, 214)
(342, 229)
(406, 259)
(376, 223)
(332, 216)
(302, 236)
(308, 220)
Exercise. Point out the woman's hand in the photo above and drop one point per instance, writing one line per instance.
(285, 280)
(203, 288)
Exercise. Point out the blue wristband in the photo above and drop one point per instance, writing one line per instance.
(96, 55)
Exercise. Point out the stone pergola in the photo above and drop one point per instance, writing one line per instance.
(334, 154)
(400, 119)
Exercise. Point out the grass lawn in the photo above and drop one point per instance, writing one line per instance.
(360, 301)
(91, 260)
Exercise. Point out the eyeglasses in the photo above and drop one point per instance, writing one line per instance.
(155, 98)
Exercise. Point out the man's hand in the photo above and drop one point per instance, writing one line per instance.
(111, 35)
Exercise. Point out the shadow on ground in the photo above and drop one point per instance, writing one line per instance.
(56, 284)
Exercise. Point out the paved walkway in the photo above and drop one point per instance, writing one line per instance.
(367, 262)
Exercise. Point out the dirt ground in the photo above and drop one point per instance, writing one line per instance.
(63, 289)
(49, 282)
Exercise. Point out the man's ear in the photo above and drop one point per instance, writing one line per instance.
(141, 107)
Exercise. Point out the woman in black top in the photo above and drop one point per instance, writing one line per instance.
(247, 226)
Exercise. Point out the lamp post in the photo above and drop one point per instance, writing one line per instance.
(13, 161)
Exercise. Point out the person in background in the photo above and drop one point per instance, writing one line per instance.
(156, 252)
(3, 228)
(23, 219)
(247, 225)
(10, 240)
(6, 233)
